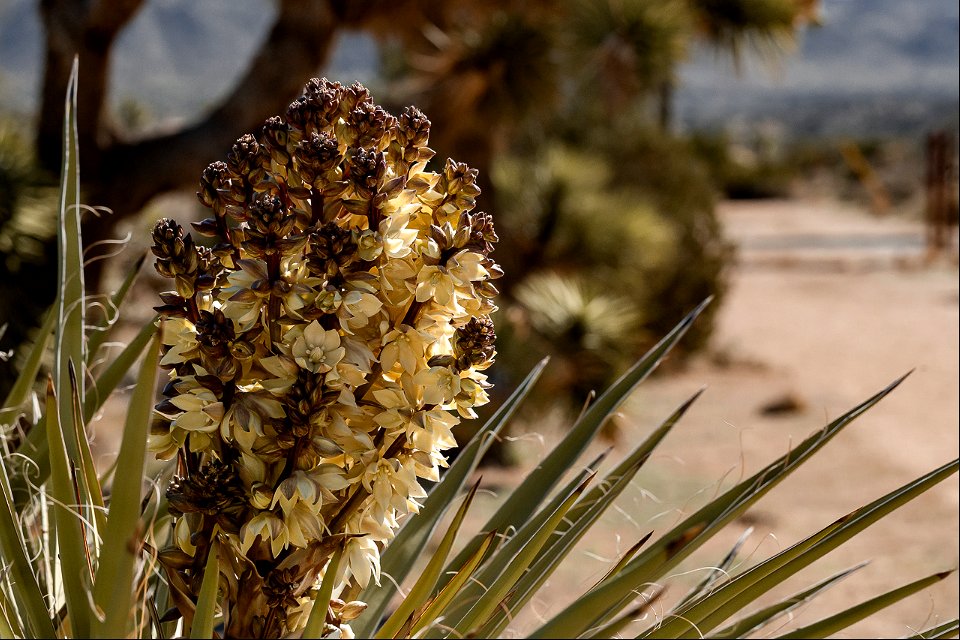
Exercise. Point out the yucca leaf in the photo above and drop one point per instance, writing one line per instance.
(751, 623)
(626, 557)
(614, 628)
(23, 386)
(6, 624)
(114, 373)
(589, 508)
(70, 538)
(89, 482)
(115, 576)
(634, 460)
(607, 598)
(321, 600)
(539, 573)
(838, 622)
(581, 517)
(98, 333)
(946, 630)
(34, 447)
(549, 557)
(505, 581)
(428, 578)
(161, 602)
(501, 559)
(452, 589)
(24, 587)
(402, 553)
(539, 482)
(69, 338)
(721, 570)
(710, 611)
(202, 625)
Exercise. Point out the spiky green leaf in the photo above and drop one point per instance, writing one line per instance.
(755, 621)
(432, 613)
(946, 630)
(580, 518)
(708, 612)
(102, 329)
(607, 598)
(70, 539)
(428, 577)
(539, 482)
(840, 621)
(203, 619)
(113, 588)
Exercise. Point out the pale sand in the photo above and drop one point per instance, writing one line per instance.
(827, 304)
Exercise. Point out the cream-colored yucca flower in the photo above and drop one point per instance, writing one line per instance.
(180, 336)
(315, 349)
(435, 283)
(404, 346)
(320, 352)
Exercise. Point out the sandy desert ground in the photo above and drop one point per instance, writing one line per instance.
(828, 304)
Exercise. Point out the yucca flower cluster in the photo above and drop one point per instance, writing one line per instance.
(320, 351)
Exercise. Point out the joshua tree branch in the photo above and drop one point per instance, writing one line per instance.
(125, 175)
(88, 30)
(298, 44)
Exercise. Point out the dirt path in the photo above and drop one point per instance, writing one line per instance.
(827, 306)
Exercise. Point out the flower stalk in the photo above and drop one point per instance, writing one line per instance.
(319, 351)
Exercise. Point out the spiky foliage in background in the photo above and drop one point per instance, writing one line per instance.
(638, 232)
(320, 352)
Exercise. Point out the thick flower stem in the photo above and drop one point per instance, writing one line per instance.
(272, 319)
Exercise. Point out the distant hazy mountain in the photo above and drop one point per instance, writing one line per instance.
(873, 64)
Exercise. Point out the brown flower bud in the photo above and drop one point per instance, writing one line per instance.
(474, 343)
(317, 155)
(331, 249)
(366, 169)
(371, 126)
(214, 178)
(413, 128)
(351, 97)
(274, 135)
(319, 108)
(246, 160)
(216, 490)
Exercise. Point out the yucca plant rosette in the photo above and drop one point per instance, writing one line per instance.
(80, 544)
(319, 353)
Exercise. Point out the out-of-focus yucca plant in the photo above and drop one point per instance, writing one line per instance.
(317, 354)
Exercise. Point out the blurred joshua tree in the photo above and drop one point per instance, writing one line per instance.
(573, 106)
(499, 79)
